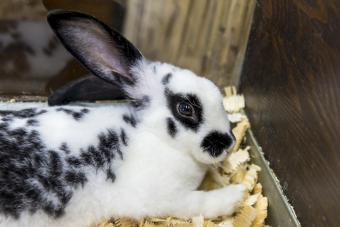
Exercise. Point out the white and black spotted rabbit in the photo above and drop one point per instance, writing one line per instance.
(73, 165)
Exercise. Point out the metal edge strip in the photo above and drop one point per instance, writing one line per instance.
(281, 213)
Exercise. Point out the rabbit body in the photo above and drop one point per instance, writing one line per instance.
(144, 175)
(76, 165)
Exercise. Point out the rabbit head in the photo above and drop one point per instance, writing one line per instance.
(179, 107)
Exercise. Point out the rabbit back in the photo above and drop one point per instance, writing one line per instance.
(46, 154)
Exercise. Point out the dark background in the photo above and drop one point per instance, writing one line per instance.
(291, 81)
(33, 61)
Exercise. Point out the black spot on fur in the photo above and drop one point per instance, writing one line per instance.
(166, 79)
(142, 103)
(22, 114)
(3, 126)
(27, 172)
(32, 122)
(129, 119)
(74, 161)
(34, 178)
(77, 115)
(85, 111)
(64, 147)
(109, 142)
(173, 100)
(51, 47)
(172, 129)
(123, 137)
(55, 164)
(7, 118)
(110, 175)
(215, 143)
(75, 178)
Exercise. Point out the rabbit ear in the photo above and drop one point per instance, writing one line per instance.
(105, 52)
(89, 88)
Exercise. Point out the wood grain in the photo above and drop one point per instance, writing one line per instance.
(291, 81)
(206, 36)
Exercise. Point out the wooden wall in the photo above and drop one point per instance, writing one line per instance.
(291, 81)
(206, 36)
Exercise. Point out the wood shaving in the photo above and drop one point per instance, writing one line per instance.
(258, 188)
(236, 159)
(227, 223)
(198, 221)
(261, 207)
(239, 175)
(245, 217)
(237, 168)
(230, 91)
(252, 200)
(233, 103)
(210, 224)
(239, 132)
(118, 222)
(250, 178)
(236, 117)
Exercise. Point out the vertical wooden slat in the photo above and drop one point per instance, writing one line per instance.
(291, 82)
(207, 36)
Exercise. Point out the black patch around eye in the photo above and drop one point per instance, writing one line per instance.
(192, 123)
(215, 142)
(172, 129)
(166, 79)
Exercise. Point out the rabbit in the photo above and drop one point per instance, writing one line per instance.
(145, 155)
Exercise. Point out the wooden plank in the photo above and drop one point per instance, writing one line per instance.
(291, 81)
(206, 36)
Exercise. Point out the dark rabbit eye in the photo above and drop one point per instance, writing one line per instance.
(185, 109)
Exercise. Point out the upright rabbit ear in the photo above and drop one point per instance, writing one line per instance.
(105, 52)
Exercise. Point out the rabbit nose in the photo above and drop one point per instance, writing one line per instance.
(216, 142)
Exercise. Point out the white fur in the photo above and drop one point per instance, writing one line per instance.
(159, 175)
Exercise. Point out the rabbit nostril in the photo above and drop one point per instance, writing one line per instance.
(215, 143)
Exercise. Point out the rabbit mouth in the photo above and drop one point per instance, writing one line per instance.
(215, 143)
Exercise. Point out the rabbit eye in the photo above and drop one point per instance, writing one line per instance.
(185, 109)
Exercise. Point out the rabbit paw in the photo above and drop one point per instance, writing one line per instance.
(224, 201)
